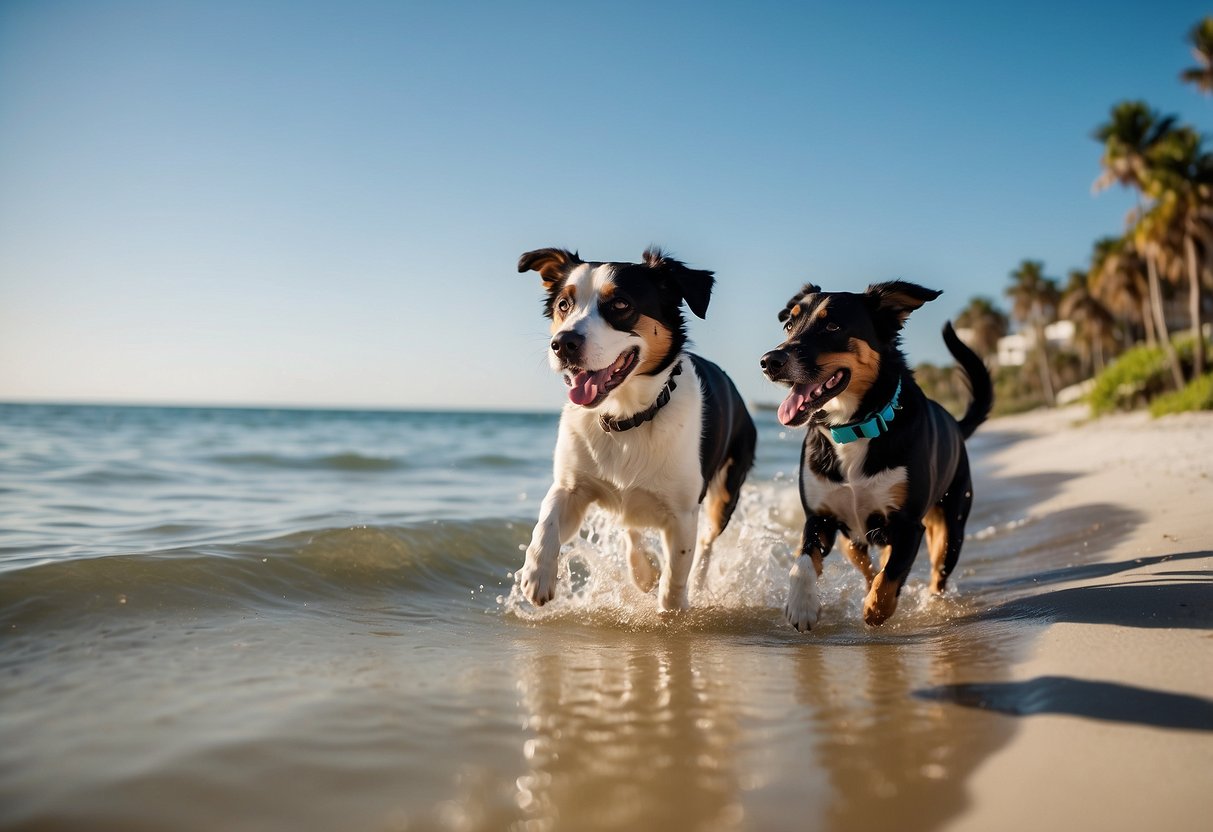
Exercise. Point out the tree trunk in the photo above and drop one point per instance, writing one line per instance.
(1198, 339)
(1160, 321)
(1147, 320)
(1046, 375)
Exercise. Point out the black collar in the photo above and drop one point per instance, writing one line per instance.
(619, 425)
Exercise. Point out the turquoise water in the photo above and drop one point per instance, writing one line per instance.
(281, 619)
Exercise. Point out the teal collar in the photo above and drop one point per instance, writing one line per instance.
(871, 427)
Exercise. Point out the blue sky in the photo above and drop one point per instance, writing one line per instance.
(323, 204)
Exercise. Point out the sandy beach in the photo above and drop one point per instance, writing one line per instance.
(1113, 720)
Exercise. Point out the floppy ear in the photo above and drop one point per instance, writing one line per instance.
(694, 285)
(891, 303)
(551, 263)
(805, 291)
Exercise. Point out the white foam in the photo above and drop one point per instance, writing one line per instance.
(747, 581)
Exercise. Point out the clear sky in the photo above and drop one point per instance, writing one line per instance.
(323, 203)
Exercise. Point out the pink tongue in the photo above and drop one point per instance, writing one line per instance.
(586, 386)
(790, 408)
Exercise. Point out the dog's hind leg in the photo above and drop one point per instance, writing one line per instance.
(644, 573)
(857, 554)
(904, 534)
(560, 517)
(718, 506)
(724, 492)
(945, 524)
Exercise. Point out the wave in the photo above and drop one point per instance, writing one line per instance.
(502, 461)
(348, 461)
(319, 568)
(425, 570)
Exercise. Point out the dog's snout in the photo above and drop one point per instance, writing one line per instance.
(773, 362)
(567, 345)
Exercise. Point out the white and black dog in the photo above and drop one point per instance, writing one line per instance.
(650, 431)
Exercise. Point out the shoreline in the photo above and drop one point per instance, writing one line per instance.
(1112, 724)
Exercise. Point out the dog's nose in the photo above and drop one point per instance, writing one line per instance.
(567, 345)
(773, 362)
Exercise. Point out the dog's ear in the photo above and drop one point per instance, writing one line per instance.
(805, 291)
(891, 303)
(551, 263)
(694, 285)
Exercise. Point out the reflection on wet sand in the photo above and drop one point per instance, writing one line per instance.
(888, 754)
(698, 731)
(629, 736)
(729, 719)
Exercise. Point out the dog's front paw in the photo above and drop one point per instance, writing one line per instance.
(804, 604)
(671, 601)
(538, 584)
(802, 613)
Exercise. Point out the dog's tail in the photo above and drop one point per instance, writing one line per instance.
(977, 379)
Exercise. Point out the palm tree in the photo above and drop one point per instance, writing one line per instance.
(1154, 235)
(1118, 280)
(1034, 303)
(1132, 129)
(1092, 320)
(987, 322)
(1181, 182)
(1130, 135)
(1201, 38)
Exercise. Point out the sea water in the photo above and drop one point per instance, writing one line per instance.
(290, 619)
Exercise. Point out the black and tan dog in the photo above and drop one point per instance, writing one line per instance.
(881, 463)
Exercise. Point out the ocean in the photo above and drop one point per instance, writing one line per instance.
(299, 619)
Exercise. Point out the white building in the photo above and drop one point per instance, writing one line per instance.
(1013, 349)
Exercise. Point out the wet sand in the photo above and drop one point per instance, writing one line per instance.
(1111, 705)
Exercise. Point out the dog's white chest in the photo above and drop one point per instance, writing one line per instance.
(857, 497)
(644, 473)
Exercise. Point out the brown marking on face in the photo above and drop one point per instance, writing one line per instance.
(820, 312)
(796, 310)
(858, 555)
(607, 291)
(937, 545)
(864, 365)
(881, 600)
(657, 339)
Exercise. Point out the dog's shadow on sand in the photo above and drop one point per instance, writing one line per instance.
(1104, 701)
(1175, 599)
(1172, 599)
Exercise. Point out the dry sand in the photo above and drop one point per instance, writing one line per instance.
(1113, 706)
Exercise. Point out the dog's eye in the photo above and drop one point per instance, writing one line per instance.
(831, 327)
(564, 306)
(620, 305)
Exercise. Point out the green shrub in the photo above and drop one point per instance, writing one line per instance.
(1136, 378)
(1197, 395)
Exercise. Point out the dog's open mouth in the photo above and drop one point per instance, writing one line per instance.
(589, 387)
(806, 399)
